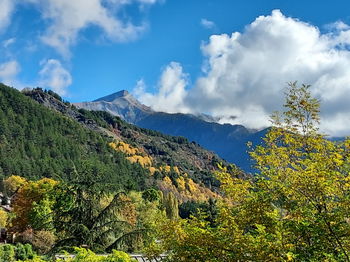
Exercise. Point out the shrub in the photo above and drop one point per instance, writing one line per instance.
(7, 253)
(43, 241)
(86, 255)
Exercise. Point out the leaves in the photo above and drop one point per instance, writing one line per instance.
(295, 209)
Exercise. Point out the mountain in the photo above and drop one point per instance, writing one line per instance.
(43, 136)
(121, 104)
(228, 141)
(37, 141)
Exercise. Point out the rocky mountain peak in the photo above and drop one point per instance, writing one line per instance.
(114, 96)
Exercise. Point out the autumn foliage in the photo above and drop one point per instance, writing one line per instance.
(295, 209)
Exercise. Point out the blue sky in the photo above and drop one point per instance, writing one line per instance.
(163, 51)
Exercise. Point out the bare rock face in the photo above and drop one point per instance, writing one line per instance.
(121, 104)
(53, 103)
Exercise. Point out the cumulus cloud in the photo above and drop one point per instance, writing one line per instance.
(245, 74)
(207, 23)
(54, 76)
(7, 7)
(66, 18)
(171, 91)
(64, 22)
(8, 72)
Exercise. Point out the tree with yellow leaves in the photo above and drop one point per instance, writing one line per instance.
(32, 205)
(13, 183)
(297, 208)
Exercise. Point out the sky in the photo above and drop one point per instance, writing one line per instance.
(230, 59)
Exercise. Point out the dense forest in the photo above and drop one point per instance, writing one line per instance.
(36, 142)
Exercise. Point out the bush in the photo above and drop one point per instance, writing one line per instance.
(7, 253)
(86, 255)
(29, 251)
(43, 241)
(118, 256)
(21, 253)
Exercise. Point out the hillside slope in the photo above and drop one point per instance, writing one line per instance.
(189, 157)
(228, 141)
(155, 160)
(37, 142)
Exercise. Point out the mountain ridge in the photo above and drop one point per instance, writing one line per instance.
(226, 140)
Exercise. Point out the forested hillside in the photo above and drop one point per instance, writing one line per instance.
(36, 142)
(43, 136)
(76, 177)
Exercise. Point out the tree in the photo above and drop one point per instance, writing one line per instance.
(295, 208)
(171, 205)
(3, 218)
(88, 213)
(32, 205)
(13, 183)
(308, 179)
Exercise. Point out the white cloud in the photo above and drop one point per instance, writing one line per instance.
(245, 74)
(207, 23)
(171, 87)
(8, 42)
(67, 18)
(64, 23)
(6, 10)
(8, 72)
(54, 76)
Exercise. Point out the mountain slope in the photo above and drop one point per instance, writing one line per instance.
(120, 104)
(38, 142)
(228, 141)
(171, 163)
(42, 136)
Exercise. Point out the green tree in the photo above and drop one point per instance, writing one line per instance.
(307, 177)
(296, 208)
(171, 205)
(88, 213)
(32, 205)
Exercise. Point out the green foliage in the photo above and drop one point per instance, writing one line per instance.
(171, 205)
(82, 219)
(7, 253)
(208, 210)
(21, 253)
(29, 251)
(10, 253)
(40, 216)
(24, 252)
(295, 209)
(38, 142)
(151, 195)
(148, 217)
(86, 255)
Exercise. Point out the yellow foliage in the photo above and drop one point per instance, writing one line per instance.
(13, 183)
(152, 169)
(167, 181)
(176, 169)
(32, 191)
(135, 155)
(3, 218)
(165, 168)
(185, 190)
(192, 186)
(181, 184)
